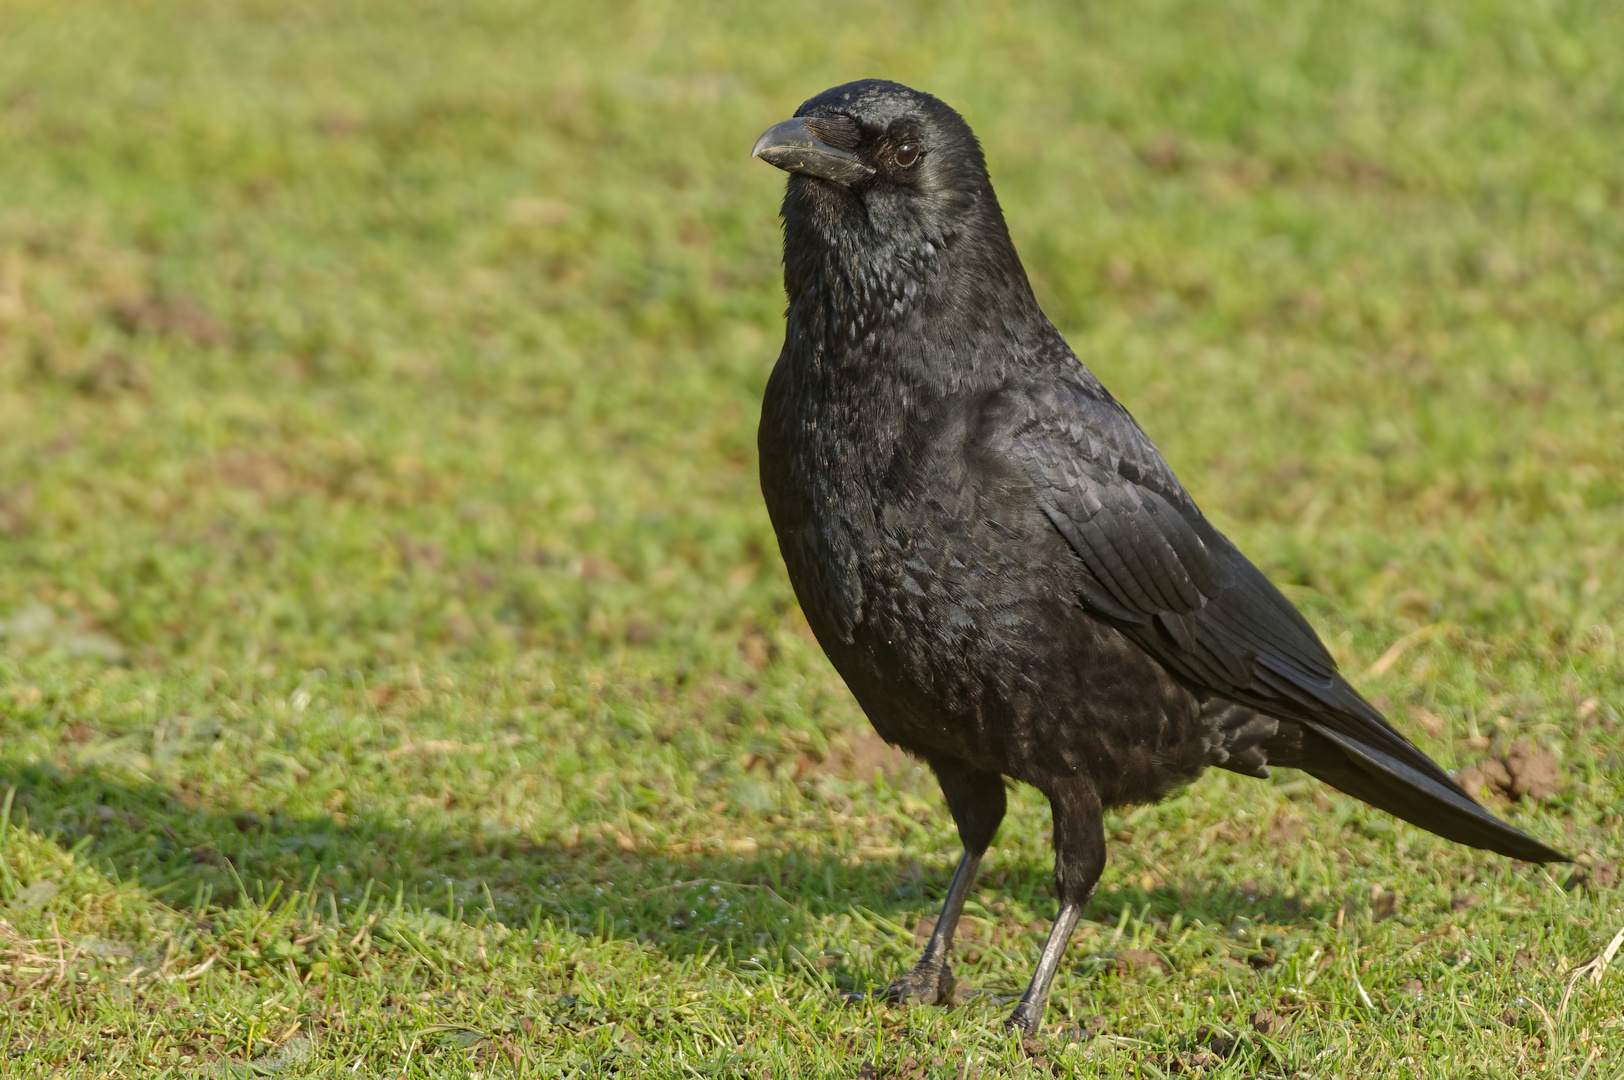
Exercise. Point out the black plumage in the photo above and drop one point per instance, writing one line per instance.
(994, 555)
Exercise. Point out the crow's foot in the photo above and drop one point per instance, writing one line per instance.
(926, 984)
(1025, 1019)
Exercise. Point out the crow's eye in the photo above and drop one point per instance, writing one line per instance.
(907, 154)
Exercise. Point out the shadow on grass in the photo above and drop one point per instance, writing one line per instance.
(762, 905)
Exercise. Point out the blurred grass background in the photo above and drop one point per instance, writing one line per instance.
(379, 534)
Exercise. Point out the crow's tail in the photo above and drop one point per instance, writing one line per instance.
(1387, 783)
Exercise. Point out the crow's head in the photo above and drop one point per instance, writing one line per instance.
(888, 190)
(877, 137)
(876, 152)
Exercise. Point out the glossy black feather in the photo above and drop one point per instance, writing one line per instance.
(1187, 596)
(995, 556)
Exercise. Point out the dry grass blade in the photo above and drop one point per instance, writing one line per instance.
(1397, 649)
(48, 961)
(1595, 967)
(442, 747)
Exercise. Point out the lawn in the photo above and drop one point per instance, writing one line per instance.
(398, 677)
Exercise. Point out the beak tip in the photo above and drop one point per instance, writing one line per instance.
(765, 143)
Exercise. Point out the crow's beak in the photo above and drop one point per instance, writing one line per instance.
(791, 146)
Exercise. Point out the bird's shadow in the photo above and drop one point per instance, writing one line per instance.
(774, 903)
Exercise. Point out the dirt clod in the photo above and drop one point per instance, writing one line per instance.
(1129, 961)
(1534, 774)
(1430, 722)
(1215, 1040)
(1595, 878)
(1526, 772)
(170, 316)
(1193, 1064)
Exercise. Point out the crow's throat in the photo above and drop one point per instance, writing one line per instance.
(902, 303)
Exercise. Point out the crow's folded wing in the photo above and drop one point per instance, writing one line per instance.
(1155, 567)
(1159, 572)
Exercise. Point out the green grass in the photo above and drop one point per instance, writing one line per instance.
(397, 673)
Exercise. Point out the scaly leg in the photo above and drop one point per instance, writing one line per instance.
(1079, 859)
(976, 800)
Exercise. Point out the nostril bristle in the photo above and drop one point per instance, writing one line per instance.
(840, 132)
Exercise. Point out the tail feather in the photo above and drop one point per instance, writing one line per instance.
(1387, 783)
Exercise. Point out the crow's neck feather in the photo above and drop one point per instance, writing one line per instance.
(932, 299)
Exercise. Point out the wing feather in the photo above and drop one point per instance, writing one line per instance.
(1158, 570)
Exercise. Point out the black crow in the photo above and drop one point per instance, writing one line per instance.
(994, 555)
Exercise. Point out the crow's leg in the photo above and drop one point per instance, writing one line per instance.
(976, 800)
(1079, 847)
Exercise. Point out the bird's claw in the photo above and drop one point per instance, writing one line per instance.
(926, 984)
(1024, 1020)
